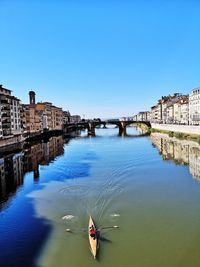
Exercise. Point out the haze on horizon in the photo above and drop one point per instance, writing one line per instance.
(99, 58)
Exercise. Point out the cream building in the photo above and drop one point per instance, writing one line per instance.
(169, 118)
(185, 110)
(167, 103)
(177, 110)
(143, 116)
(181, 111)
(15, 111)
(156, 113)
(194, 107)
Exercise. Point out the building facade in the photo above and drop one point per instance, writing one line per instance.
(41, 116)
(143, 116)
(156, 113)
(184, 110)
(66, 117)
(194, 107)
(75, 118)
(10, 114)
(181, 111)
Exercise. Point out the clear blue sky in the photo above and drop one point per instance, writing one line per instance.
(100, 58)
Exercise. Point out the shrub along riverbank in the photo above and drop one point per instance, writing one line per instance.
(179, 135)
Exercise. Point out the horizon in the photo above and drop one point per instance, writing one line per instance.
(99, 59)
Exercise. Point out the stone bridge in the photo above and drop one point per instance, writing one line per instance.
(90, 125)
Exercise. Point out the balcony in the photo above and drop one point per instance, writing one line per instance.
(6, 119)
(5, 115)
(5, 108)
(6, 132)
(6, 126)
(4, 100)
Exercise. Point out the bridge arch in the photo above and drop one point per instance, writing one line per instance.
(121, 124)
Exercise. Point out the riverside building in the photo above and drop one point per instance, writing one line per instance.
(156, 113)
(194, 107)
(181, 111)
(10, 114)
(41, 116)
(143, 116)
(75, 118)
(66, 117)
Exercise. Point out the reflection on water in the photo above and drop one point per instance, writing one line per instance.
(179, 151)
(13, 167)
(55, 186)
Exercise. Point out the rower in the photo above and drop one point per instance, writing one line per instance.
(92, 232)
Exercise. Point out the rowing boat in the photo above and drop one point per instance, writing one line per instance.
(93, 242)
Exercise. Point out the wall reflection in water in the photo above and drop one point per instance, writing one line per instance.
(179, 151)
(14, 166)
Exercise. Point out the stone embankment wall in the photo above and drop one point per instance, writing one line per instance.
(177, 128)
(11, 140)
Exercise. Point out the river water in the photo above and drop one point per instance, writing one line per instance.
(148, 186)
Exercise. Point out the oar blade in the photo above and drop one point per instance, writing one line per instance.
(76, 230)
(109, 227)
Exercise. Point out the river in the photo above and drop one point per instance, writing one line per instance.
(148, 186)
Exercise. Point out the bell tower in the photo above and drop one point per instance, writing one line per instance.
(32, 97)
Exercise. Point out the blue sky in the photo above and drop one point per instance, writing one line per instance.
(100, 58)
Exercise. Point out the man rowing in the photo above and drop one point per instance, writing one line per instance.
(92, 232)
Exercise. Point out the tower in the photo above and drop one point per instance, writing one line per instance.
(32, 97)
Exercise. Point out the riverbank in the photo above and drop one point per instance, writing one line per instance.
(19, 140)
(186, 132)
(29, 141)
(11, 140)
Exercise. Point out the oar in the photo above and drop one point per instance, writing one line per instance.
(85, 229)
(107, 227)
(70, 230)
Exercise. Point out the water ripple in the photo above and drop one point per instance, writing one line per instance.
(80, 189)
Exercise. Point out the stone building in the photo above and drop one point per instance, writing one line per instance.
(52, 116)
(142, 116)
(156, 113)
(194, 107)
(75, 118)
(66, 117)
(57, 118)
(184, 110)
(163, 111)
(41, 116)
(169, 113)
(181, 111)
(32, 115)
(10, 110)
(167, 103)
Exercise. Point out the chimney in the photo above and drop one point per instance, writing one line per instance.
(32, 97)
